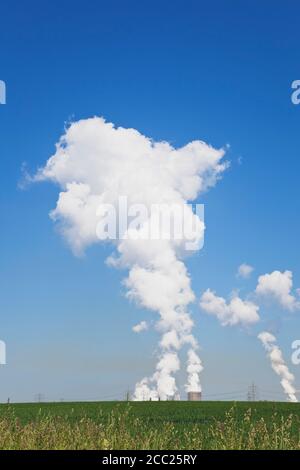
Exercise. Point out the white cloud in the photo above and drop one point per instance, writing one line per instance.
(96, 163)
(278, 285)
(245, 270)
(236, 311)
(142, 326)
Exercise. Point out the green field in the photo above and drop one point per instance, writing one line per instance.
(150, 425)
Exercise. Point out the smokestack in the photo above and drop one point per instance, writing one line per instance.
(194, 396)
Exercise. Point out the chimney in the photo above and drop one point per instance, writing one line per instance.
(194, 396)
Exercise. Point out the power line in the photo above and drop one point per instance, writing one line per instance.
(252, 393)
(235, 392)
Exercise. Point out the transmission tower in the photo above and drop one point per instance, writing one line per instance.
(39, 397)
(252, 394)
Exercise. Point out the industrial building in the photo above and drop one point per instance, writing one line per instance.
(194, 396)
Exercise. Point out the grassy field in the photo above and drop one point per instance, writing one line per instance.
(150, 425)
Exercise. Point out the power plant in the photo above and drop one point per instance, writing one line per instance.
(194, 396)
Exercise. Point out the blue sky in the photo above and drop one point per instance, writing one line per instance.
(216, 71)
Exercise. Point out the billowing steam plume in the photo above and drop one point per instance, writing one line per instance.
(194, 367)
(278, 365)
(95, 163)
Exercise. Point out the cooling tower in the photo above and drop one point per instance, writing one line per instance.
(194, 396)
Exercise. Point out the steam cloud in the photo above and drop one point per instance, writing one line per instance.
(194, 368)
(142, 326)
(94, 164)
(245, 270)
(278, 285)
(236, 311)
(278, 365)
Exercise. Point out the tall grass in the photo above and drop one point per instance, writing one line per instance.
(121, 430)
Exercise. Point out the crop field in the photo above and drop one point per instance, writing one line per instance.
(150, 425)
